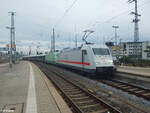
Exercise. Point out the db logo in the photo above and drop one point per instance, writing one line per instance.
(103, 59)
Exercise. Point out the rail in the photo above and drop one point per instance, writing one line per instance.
(78, 98)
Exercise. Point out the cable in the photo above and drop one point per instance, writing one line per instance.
(114, 17)
(65, 13)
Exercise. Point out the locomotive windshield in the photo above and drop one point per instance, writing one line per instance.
(101, 51)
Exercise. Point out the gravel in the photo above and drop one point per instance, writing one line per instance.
(126, 102)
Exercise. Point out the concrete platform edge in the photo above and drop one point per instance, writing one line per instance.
(134, 74)
(62, 106)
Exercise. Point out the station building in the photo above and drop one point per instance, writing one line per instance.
(140, 50)
(137, 50)
(3, 53)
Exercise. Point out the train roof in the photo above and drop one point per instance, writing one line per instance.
(84, 46)
(34, 56)
(95, 46)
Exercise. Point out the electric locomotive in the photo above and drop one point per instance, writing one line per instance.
(90, 58)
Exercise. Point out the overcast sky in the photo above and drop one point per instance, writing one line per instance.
(34, 20)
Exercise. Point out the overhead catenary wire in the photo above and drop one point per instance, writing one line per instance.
(122, 13)
(93, 26)
(65, 13)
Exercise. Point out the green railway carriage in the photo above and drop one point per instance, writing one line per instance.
(51, 57)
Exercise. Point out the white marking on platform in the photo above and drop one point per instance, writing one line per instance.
(31, 106)
(4, 64)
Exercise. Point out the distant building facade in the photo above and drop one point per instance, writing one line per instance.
(136, 50)
(146, 50)
(3, 53)
(112, 51)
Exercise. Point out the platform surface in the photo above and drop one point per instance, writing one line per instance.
(25, 89)
(134, 70)
(3, 64)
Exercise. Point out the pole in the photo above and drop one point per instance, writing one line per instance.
(116, 37)
(30, 50)
(12, 43)
(53, 41)
(76, 42)
(116, 27)
(104, 40)
(12, 25)
(136, 27)
(10, 60)
(120, 53)
(11, 37)
(136, 30)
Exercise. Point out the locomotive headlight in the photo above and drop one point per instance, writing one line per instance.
(97, 63)
(110, 61)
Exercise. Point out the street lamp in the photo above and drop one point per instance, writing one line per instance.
(116, 27)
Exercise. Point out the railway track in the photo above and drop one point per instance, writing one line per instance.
(132, 89)
(80, 100)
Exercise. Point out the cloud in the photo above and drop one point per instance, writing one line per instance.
(35, 19)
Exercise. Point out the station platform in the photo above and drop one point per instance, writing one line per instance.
(134, 70)
(3, 64)
(25, 89)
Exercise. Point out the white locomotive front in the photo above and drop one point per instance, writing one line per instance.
(91, 58)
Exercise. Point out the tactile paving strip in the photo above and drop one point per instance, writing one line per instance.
(12, 108)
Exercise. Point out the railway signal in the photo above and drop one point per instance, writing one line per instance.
(7, 45)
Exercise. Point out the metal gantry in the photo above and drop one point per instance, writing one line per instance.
(135, 21)
(136, 28)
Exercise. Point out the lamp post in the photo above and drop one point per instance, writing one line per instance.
(116, 27)
(10, 57)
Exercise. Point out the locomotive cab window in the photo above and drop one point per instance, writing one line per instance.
(101, 51)
(84, 52)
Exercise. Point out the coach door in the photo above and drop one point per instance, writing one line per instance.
(84, 53)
